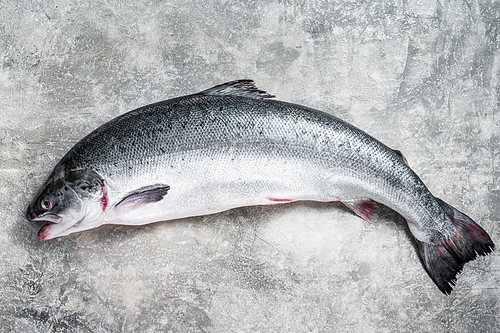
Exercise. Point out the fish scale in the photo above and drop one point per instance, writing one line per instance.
(232, 146)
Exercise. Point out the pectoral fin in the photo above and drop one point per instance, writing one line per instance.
(143, 195)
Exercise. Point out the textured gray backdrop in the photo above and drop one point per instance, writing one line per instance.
(422, 76)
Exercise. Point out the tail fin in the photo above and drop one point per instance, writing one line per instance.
(443, 262)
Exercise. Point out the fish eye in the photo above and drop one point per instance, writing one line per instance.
(46, 203)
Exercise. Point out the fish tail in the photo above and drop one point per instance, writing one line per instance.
(444, 261)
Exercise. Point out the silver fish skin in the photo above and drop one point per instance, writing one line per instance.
(232, 146)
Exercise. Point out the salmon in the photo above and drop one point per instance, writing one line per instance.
(232, 146)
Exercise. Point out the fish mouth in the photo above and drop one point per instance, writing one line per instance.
(51, 227)
(49, 218)
(44, 232)
(55, 224)
(55, 229)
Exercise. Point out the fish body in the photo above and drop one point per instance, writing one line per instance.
(232, 146)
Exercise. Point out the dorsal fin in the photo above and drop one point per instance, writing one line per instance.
(401, 156)
(245, 88)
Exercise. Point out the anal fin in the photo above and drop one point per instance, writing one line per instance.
(364, 207)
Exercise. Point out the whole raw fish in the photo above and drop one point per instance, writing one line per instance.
(232, 146)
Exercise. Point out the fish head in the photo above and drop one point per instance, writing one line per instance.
(71, 202)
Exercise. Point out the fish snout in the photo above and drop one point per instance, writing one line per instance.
(30, 214)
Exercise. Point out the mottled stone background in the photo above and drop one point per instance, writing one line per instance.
(422, 76)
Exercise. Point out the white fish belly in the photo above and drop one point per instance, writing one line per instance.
(208, 186)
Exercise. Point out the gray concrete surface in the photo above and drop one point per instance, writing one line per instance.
(422, 76)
